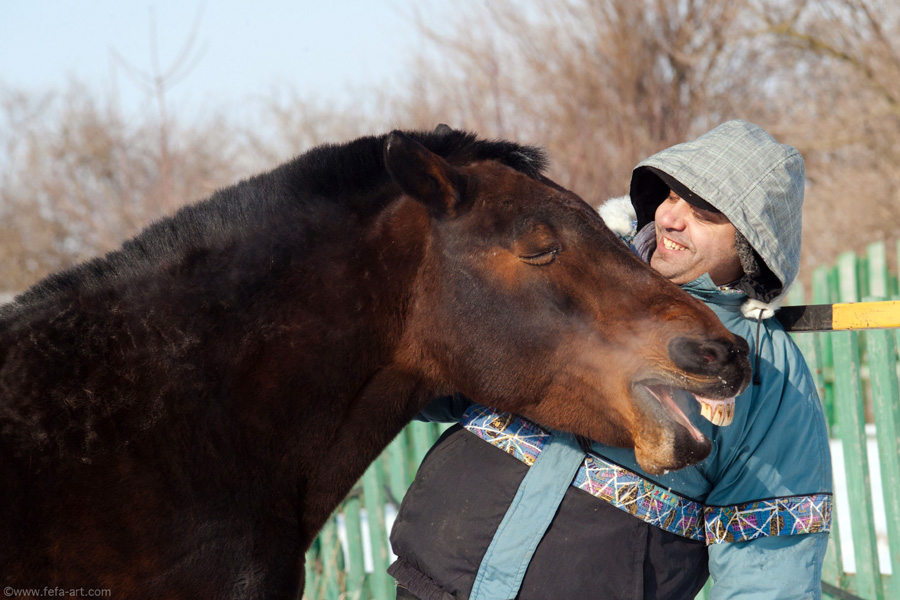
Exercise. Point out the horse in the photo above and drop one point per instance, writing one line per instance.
(179, 417)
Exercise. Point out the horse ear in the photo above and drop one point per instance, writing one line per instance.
(423, 175)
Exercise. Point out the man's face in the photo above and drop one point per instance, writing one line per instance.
(691, 241)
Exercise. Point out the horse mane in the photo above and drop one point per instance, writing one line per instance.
(328, 173)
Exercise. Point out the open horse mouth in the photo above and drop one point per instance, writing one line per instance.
(677, 404)
(707, 377)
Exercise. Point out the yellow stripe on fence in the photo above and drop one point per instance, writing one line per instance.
(833, 317)
(866, 315)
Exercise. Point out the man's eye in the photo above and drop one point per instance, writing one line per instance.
(705, 216)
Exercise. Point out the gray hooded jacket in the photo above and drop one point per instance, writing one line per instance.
(753, 180)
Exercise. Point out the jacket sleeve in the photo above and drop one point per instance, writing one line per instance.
(767, 568)
(444, 409)
(769, 512)
(777, 445)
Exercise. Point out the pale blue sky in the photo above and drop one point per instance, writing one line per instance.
(321, 48)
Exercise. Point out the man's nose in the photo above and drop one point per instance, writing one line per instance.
(673, 214)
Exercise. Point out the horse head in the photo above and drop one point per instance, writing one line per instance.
(528, 303)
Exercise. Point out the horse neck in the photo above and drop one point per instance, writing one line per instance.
(272, 355)
(381, 389)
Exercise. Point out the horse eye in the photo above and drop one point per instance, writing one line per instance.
(541, 258)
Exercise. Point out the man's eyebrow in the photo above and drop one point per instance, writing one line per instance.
(711, 214)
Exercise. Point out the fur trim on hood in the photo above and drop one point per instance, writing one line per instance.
(618, 214)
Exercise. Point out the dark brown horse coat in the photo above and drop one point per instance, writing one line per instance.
(179, 418)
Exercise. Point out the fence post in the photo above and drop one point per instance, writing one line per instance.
(356, 569)
(882, 355)
(824, 293)
(311, 568)
(381, 585)
(422, 440)
(850, 411)
(833, 566)
(850, 415)
(395, 458)
(879, 279)
(332, 559)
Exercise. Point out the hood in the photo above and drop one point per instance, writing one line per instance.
(748, 176)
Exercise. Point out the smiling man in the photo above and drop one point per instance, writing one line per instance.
(691, 241)
(502, 508)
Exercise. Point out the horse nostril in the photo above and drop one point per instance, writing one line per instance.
(714, 351)
(692, 355)
(708, 356)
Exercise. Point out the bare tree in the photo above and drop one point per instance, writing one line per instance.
(157, 82)
(839, 62)
(289, 123)
(78, 178)
(604, 83)
(601, 84)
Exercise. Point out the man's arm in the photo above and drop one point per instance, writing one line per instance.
(770, 509)
(768, 568)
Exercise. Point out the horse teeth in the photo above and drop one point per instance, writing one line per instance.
(720, 414)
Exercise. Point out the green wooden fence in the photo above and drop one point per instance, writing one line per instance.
(857, 376)
(355, 568)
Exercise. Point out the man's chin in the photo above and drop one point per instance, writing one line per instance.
(670, 271)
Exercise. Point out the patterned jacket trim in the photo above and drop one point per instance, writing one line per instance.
(654, 504)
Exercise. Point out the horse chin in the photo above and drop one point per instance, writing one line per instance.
(673, 450)
(667, 440)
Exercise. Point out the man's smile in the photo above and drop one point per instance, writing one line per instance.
(672, 245)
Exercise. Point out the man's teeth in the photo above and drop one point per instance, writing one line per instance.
(670, 245)
(717, 412)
